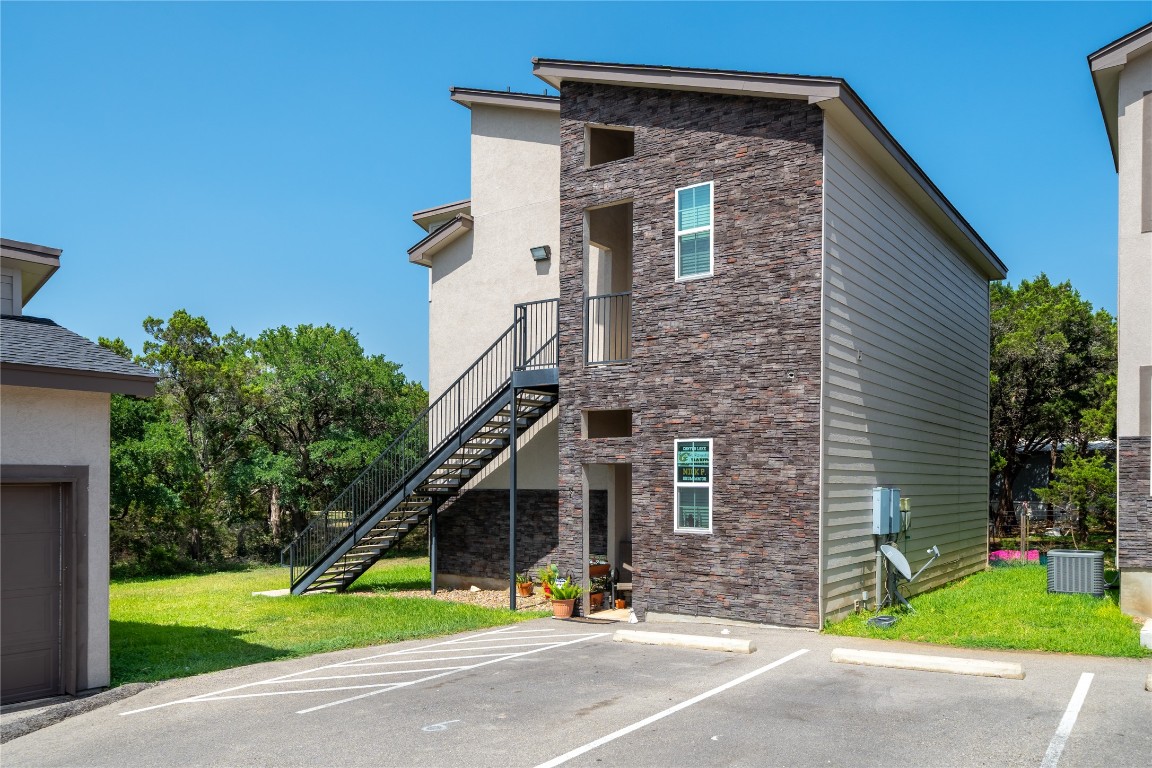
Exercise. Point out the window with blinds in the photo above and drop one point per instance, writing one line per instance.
(694, 486)
(694, 231)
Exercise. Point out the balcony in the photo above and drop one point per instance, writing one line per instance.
(608, 328)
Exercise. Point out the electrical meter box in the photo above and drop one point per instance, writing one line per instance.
(885, 511)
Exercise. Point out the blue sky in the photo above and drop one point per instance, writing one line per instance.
(257, 163)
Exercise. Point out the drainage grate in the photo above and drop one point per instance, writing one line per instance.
(1074, 571)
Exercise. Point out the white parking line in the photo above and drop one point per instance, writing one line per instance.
(480, 642)
(445, 674)
(1064, 730)
(671, 710)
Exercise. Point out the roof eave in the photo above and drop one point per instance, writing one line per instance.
(49, 377)
(479, 96)
(460, 206)
(813, 89)
(1105, 65)
(423, 251)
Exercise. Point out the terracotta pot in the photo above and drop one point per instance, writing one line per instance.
(620, 604)
(525, 589)
(596, 599)
(600, 569)
(562, 609)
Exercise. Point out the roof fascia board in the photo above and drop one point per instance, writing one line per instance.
(814, 89)
(1118, 52)
(423, 251)
(32, 249)
(44, 377)
(460, 206)
(1105, 66)
(470, 96)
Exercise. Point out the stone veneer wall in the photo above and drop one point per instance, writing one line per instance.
(472, 531)
(734, 357)
(1134, 507)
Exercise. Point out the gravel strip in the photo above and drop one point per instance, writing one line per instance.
(54, 713)
(489, 598)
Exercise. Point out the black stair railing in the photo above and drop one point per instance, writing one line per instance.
(530, 342)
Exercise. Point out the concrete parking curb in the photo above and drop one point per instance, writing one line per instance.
(949, 664)
(54, 713)
(727, 644)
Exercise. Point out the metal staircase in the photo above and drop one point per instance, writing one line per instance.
(459, 434)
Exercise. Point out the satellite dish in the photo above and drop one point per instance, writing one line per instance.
(900, 563)
(896, 557)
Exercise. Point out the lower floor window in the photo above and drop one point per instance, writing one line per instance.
(694, 485)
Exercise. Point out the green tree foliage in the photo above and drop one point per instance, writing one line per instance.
(1053, 374)
(1087, 483)
(244, 438)
(322, 410)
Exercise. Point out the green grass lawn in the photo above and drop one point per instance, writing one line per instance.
(185, 625)
(1010, 608)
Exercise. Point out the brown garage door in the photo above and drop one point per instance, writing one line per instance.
(32, 591)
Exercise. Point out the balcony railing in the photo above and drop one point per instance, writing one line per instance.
(608, 328)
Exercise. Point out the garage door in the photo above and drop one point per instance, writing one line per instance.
(31, 590)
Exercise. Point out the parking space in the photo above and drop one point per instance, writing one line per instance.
(549, 693)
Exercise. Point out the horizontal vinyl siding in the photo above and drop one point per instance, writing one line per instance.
(905, 384)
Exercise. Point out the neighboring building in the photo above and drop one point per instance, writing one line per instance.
(764, 309)
(54, 408)
(1122, 73)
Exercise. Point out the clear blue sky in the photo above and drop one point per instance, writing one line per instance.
(258, 163)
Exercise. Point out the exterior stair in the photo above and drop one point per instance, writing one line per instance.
(456, 437)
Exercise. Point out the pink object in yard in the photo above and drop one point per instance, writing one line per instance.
(1013, 554)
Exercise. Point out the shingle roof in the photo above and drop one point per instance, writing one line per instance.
(38, 344)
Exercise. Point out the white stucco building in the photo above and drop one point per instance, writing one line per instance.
(55, 390)
(1122, 74)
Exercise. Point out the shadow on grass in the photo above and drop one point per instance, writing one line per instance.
(143, 652)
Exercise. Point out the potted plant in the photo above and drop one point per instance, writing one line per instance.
(524, 585)
(596, 588)
(564, 596)
(548, 575)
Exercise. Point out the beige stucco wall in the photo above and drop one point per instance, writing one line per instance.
(1135, 247)
(61, 427)
(477, 280)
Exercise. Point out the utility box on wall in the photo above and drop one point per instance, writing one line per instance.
(885, 511)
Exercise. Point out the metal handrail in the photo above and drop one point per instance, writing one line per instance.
(532, 331)
(608, 328)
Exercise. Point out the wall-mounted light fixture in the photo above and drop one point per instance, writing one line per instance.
(541, 253)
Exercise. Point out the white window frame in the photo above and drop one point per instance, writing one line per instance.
(710, 229)
(676, 485)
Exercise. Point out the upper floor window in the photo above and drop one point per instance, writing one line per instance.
(694, 231)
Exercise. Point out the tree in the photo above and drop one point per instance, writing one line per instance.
(242, 435)
(1053, 364)
(201, 385)
(1087, 483)
(152, 470)
(322, 411)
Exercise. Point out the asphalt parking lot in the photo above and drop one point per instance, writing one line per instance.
(548, 693)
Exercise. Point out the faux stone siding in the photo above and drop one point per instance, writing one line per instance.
(734, 357)
(472, 531)
(1134, 508)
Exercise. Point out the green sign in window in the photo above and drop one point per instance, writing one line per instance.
(693, 461)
